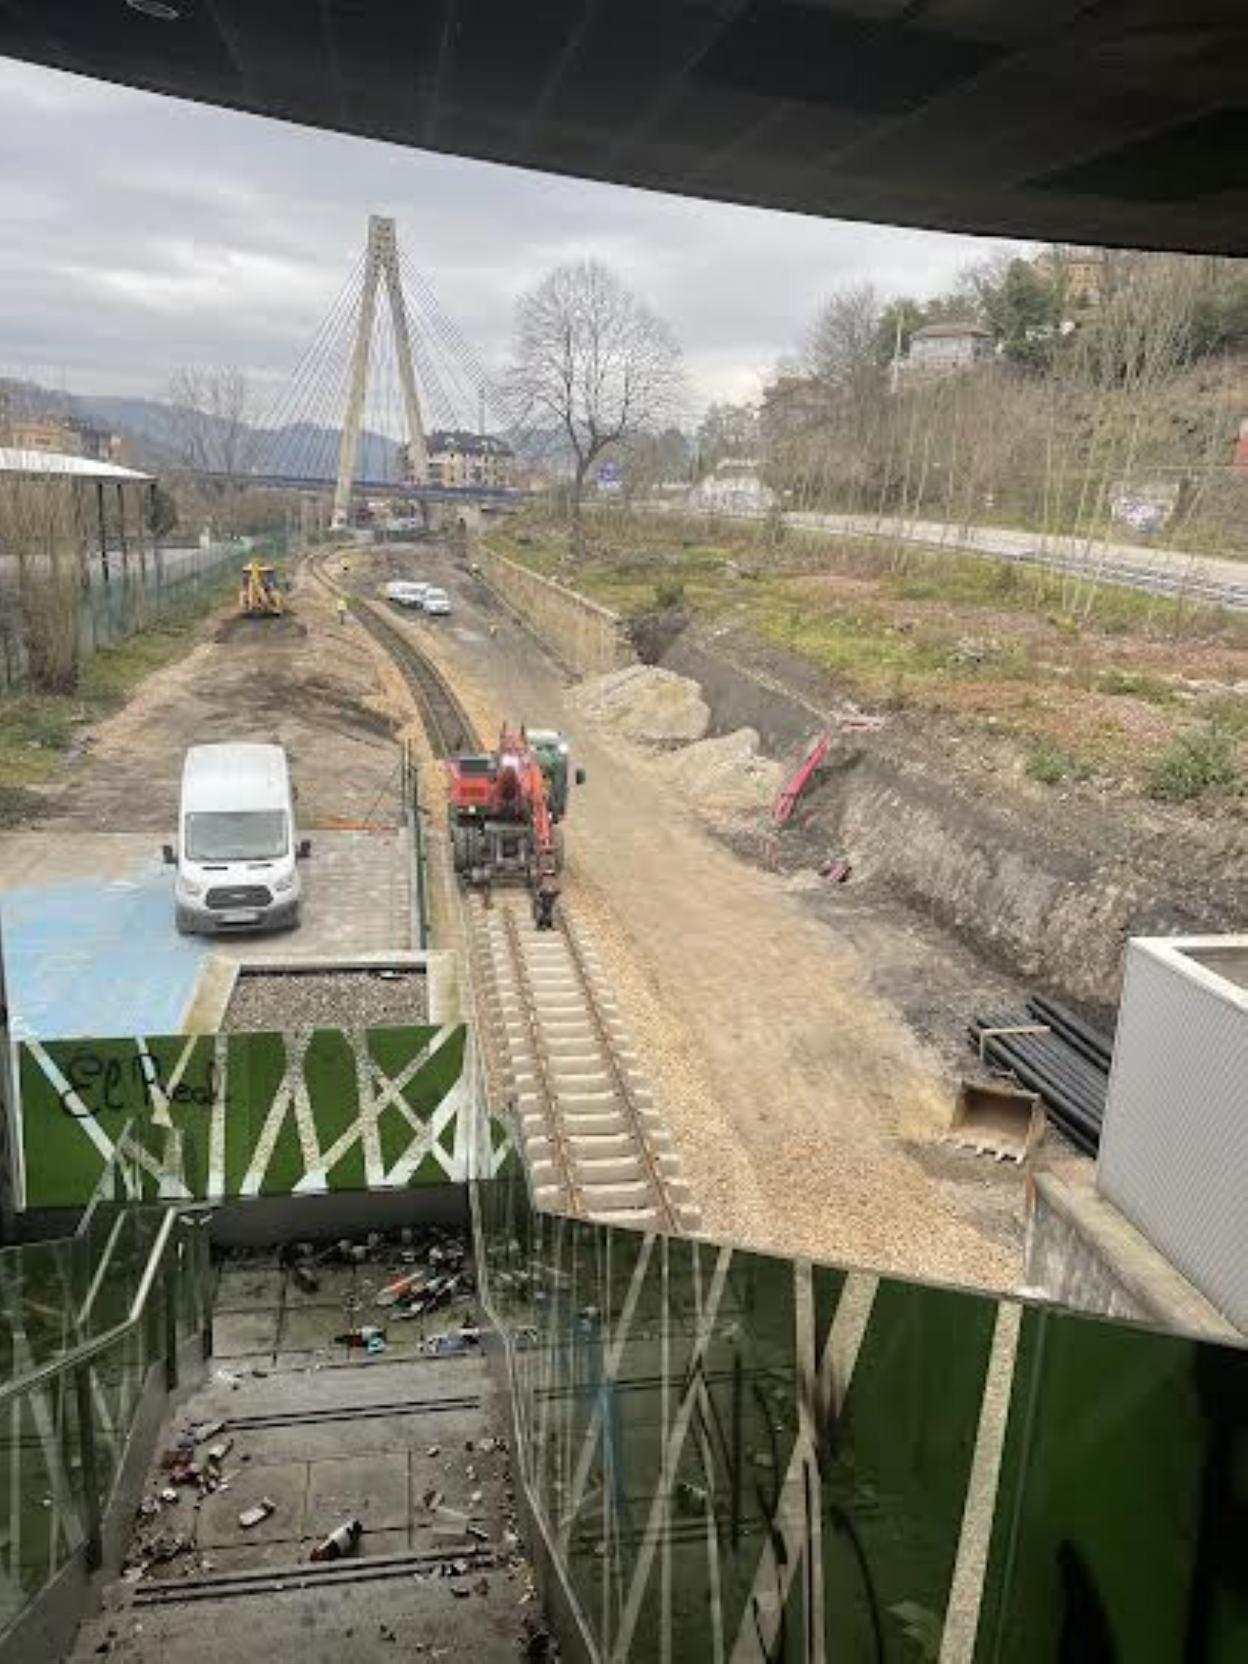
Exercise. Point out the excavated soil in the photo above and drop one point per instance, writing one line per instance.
(312, 685)
(646, 704)
(1043, 884)
(726, 776)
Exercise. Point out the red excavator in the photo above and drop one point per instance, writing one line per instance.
(504, 807)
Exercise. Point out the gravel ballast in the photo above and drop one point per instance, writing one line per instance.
(278, 1001)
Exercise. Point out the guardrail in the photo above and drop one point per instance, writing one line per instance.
(418, 852)
(66, 1421)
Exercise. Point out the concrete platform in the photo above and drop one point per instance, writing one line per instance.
(87, 932)
(1082, 1253)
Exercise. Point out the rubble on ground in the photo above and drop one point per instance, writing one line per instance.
(728, 775)
(646, 703)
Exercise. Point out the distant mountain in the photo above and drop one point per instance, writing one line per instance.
(149, 428)
(304, 448)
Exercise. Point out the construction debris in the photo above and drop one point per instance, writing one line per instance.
(646, 703)
(453, 1343)
(305, 1279)
(365, 1336)
(344, 1539)
(725, 776)
(256, 1513)
(449, 1522)
(395, 1290)
(788, 795)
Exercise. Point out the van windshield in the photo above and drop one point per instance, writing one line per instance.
(236, 835)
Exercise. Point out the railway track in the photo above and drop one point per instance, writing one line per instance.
(595, 1142)
(555, 1046)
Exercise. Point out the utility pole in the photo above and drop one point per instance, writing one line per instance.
(381, 264)
(895, 366)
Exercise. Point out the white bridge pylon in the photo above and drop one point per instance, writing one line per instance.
(381, 267)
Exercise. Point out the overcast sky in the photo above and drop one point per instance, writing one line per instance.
(141, 234)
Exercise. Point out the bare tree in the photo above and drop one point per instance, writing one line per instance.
(594, 363)
(727, 430)
(842, 347)
(211, 411)
(43, 530)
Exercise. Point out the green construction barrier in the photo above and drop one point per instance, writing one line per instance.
(248, 1114)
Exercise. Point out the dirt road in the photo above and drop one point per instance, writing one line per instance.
(304, 681)
(804, 1107)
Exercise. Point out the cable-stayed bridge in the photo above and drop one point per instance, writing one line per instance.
(386, 368)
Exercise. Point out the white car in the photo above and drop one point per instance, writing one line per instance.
(437, 602)
(406, 593)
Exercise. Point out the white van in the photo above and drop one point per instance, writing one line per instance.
(236, 852)
(405, 592)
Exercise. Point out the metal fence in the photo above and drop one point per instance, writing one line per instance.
(743, 1459)
(130, 593)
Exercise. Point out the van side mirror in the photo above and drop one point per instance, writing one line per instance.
(168, 855)
(304, 849)
(581, 777)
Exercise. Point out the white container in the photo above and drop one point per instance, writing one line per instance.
(1174, 1149)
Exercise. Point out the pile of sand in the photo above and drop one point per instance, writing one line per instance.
(725, 776)
(646, 703)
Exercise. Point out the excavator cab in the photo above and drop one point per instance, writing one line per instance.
(552, 753)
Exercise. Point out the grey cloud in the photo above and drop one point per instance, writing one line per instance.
(141, 234)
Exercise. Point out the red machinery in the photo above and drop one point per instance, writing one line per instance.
(502, 820)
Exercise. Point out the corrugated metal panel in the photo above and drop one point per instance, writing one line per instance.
(1174, 1150)
(62, 464)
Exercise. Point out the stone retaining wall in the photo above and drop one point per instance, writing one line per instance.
(586, 637)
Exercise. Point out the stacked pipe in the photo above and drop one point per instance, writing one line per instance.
(1054, 1053)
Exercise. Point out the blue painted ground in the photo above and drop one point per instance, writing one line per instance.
(98, 957)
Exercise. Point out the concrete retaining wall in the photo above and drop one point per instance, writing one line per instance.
(1082, 1253)
(584, 636)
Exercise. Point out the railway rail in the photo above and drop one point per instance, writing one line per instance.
(555, 1044)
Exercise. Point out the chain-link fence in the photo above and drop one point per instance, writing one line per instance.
(118, 600)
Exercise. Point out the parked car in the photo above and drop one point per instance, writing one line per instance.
(237, 850)
(406, 592)
(437, 602)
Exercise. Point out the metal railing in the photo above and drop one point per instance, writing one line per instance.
(83, 1402)
(418, 847)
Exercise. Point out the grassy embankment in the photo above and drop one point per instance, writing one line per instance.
(1090, 682)
(38, 729)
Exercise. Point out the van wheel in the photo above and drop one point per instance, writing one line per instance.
(182, 922)
(296, 917)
